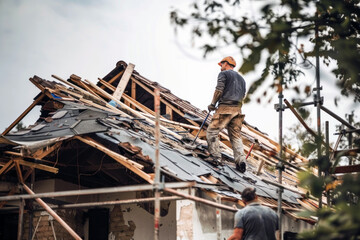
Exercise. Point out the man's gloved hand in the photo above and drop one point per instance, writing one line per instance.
(211, 107)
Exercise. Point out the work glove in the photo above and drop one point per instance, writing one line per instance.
(211, 107)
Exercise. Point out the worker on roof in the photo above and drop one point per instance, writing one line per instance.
(254, 221)
(229, 93)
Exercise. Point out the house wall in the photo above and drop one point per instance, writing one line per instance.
(46, 226)
(290, 224)
(196, 221)
(130, 221)
(181, 220)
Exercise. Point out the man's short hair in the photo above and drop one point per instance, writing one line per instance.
(248, 194)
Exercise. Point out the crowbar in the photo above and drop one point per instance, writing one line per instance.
(202, 125)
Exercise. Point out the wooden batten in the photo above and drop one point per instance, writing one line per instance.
(130, 101)
(123, 81)
(169, 112)
(133, 93)
(6, 167)
(137, 105)
(38, 166)
(41, 153)
(18, 171)
(136, 113)
(113, 79)
(91, 103)
(27, 110)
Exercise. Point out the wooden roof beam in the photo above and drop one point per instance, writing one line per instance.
(27, 110)
(18, 171)
(129, 164)
(41, 153)
(123, 81)
(38, 166)
(6, 167)
(164, 101)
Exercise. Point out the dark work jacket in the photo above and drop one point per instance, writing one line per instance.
(233, 86)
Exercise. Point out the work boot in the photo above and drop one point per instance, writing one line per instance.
(214, 160)
(241, 167)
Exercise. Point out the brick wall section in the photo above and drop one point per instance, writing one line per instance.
(45, 232)
(118, 228)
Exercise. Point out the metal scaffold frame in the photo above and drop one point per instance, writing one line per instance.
(318, 103)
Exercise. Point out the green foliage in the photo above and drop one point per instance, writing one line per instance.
(332, 27)
(20, 126)
(311, 182)
(342, 221)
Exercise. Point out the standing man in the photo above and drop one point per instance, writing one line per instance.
(229, 93)
(254, 221)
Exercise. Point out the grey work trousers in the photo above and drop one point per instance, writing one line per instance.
(230, 117)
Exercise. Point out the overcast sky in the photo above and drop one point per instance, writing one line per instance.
(87, 38)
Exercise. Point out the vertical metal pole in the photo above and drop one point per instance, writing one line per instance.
(157, 165)
(328, 200)
(280, 165)
(318, 102)
(350, 138)
(31, 203)
(218, 219)
(21, 219)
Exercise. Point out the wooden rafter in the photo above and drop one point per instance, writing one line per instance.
(130, 99)
(169, 112)
(136, 113)
(41, 153)
(106, 85)
(133, 92)
(21, 161)
(137, 104)
(112, 108)
(164, 101)
(27, 110)
(114, 78)
(6, 167)
(18, 171)
(123, 81)
(38, 166)
(129, 164)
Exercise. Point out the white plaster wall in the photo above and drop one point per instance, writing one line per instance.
(292, 225)
(197, 232)
(44, 186)
(143, 220)
(56, 185)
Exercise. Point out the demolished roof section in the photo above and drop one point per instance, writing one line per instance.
(85, 127)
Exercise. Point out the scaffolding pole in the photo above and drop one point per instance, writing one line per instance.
(218, 219)
(20, 220)
(31, 204)
(117, 202)
(157, 164)
(145, 187)
(318, 102)
(280, 165)
(201, 200)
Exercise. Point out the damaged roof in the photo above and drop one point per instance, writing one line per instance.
(86, 136)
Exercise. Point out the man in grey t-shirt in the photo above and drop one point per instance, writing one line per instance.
(254, 221)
